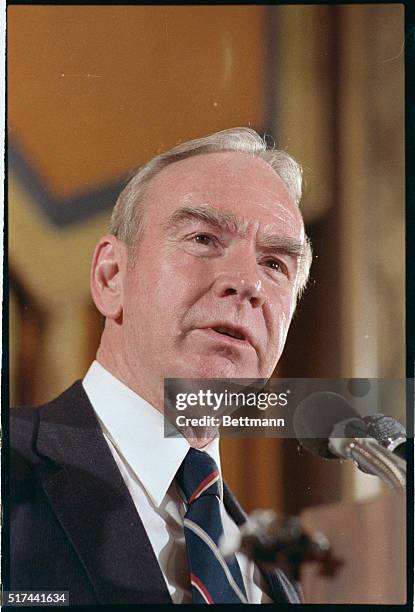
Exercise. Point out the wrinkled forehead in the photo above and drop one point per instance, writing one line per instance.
(238, 183)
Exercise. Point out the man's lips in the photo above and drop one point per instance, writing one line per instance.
(230, 334)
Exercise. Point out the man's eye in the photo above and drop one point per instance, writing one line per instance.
(204, 239)
(276, 265)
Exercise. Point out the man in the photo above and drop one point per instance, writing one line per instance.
(198, 278)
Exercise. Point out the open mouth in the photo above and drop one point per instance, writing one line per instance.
(238, 336)
(229, 332)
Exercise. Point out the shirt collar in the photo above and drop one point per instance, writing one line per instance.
(136, 429)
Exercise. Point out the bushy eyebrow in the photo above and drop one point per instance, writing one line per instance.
(230, 223)
(282, 244)
(211, 216)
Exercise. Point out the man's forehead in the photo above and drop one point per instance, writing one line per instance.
(207, 172)
(269, 205)
(270, 210)
(235, 183)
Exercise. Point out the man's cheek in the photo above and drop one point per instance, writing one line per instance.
(279, 331)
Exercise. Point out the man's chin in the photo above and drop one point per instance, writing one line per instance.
(217, 368)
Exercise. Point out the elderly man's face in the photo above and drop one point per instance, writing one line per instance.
(213, 289)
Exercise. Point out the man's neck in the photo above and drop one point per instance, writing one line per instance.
(112, 367)
(108, 356)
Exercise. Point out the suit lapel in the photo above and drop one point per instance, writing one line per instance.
(89, 498)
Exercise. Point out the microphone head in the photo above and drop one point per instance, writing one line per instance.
(384, 427)
(315, 418)
(388, 431)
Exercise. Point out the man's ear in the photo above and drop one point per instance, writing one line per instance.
(108, 268)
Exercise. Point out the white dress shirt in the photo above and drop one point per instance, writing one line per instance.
(148, 462)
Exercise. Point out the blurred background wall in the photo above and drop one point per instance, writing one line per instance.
(94, 91)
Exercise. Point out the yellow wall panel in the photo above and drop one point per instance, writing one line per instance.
(52, 264)
(93, 91)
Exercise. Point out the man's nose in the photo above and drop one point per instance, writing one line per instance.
(241, 286)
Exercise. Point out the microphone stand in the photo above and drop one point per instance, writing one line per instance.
(372, 458)
(277, 541)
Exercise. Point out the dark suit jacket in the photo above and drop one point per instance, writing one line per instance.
(74, 526)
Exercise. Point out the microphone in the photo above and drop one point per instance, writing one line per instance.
(326, 425)
(315, 417)
(388, 432)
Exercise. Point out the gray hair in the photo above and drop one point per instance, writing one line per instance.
(127, 216)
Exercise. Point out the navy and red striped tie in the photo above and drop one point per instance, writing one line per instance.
(213, 579)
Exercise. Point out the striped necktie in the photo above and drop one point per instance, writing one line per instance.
(213, 579)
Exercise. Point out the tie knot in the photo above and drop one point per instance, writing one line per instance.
(198, 475)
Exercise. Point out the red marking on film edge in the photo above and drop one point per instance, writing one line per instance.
(202, 587)
(203, 484)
